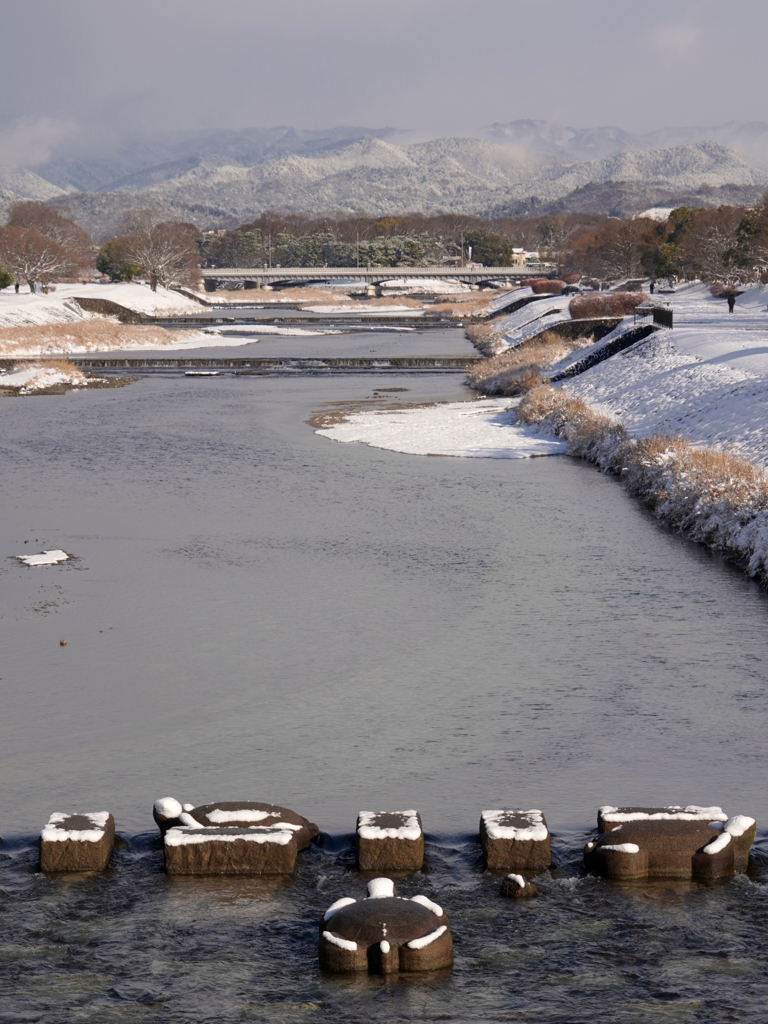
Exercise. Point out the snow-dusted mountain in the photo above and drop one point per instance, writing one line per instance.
(224, 178)
(750, 138)
(17, 183)
(443, 175)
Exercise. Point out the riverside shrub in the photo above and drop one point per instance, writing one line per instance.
(714, 497)
(582, 307)
(545, 286)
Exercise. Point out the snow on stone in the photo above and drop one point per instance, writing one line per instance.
(517, 879)
(52, 834)
(188, 807)
(334, 908)
(690, 813)
(368, 829)
(380, 888)
(167, 807)
(427, 940)
(337, 940)
(384, 946)
(189, 821)
(622, 847)
(200, 834)
(46, 558)
(436, 909)
(738, 825)
(718, 844)
(219, 817)
(484, 429)
(535, 831)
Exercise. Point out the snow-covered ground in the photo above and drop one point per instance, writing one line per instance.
(481, 429)
(58, 306)
(706, 381)
(40, 377)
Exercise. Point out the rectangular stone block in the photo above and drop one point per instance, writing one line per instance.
(230, 851)
(77, 842)
(609, 817)
(515, 841)
(389, 841)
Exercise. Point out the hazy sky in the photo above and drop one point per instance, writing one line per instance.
(76, 72)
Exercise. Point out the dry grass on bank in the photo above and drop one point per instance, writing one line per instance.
(96, 335)
(516, 370)
(715, 497)
(464, 304)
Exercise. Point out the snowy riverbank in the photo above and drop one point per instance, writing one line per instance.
(706, 380)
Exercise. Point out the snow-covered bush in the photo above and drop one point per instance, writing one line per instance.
(582, 307)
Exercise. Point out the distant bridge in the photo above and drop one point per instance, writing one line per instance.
(258, 277)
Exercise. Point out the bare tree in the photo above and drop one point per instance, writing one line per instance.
(34, 257)
(30, 214)
(166, 250)
(708, 243)
(616, 250)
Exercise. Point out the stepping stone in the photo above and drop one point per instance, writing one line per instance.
(389, 841)
(77, 842)
(385, 933)
(517, 888)
(231, 838)
(669, 842)
(515, 841)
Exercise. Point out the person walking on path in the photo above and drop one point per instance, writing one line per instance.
(731, 303)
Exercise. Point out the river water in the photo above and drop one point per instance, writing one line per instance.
(257, 612)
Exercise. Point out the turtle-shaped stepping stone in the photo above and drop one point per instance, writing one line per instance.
(77, 842)
(669, 842)
(389, 841)
(231, 838)
(385, 933)
(515, 841)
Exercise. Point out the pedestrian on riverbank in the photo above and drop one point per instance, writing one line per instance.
(731, 303)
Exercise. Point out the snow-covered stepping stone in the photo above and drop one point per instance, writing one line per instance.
(518, 888)
(515, 841)
(385, 933)
(389, 841)
(669, 842)
(231, 838)
(77, 842)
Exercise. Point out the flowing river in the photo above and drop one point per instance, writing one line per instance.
(257, 612)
